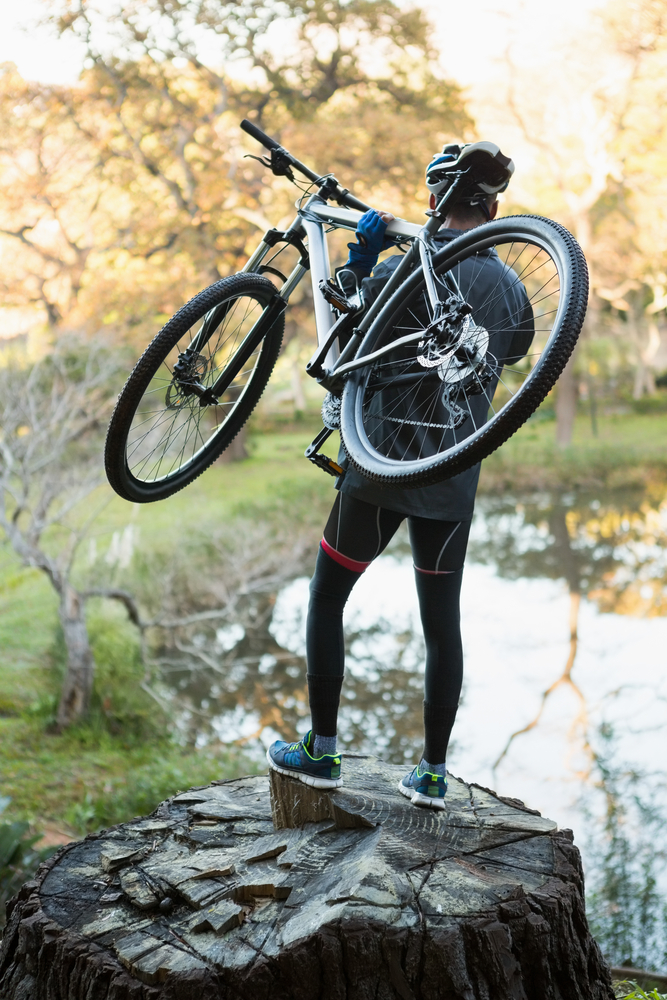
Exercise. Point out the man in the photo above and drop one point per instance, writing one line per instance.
(366, 515)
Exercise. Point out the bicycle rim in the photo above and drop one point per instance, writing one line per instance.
(426, 411)
(166, 437)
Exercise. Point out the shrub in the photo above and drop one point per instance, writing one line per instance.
(19, 858)
(138, 793)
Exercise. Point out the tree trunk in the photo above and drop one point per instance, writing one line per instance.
(78, 684)
(566, 403)
(297, 389)
(237, 450)
(647, 347)
(271, 890)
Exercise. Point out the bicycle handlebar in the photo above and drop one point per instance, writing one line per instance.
(257, 133)
(342, 196)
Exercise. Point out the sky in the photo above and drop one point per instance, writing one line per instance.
(473, 35)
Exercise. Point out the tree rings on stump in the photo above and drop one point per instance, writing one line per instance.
(266, 889)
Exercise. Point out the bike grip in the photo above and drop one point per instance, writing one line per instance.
(257, 133)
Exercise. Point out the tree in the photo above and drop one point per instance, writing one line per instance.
(51, 414)
(51, 196)
(597, 135)
(355, 89)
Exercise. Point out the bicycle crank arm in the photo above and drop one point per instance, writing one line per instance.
(322, 461)
(252, 340)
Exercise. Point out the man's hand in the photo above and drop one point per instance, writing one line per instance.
(370, 240)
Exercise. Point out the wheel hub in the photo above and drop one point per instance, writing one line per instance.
(187, 374)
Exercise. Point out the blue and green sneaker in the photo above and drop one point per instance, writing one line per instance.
(424, 789)
(296, 760)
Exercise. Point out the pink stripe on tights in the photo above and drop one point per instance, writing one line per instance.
(434, 572)
(356, 567)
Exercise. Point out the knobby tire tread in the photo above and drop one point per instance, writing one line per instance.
(497, 432)
(132, 392)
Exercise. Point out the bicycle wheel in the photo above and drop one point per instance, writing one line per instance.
(169, 425)
(469, 373)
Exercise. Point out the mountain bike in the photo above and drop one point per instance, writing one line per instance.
(412, 383)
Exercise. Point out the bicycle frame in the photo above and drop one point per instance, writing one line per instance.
(328, 366)
(310, 224)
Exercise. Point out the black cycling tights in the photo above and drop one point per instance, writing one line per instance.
(355, 534)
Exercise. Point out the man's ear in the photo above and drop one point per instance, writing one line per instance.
(493, 210)
(431, 201)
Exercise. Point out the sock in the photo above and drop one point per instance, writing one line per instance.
(432, 768)
(323, 744)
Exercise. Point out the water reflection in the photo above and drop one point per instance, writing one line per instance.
(577, 586)
(563, 623)
(254, 690)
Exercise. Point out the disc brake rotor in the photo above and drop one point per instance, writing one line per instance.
(451, 369)
(189, 368)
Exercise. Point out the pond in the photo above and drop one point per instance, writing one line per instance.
(564, 620)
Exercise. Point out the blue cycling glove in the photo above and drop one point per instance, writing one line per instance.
(370, 243)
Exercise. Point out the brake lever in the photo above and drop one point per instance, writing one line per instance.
(279, 163)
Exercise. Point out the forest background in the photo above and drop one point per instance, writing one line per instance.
(125, 190)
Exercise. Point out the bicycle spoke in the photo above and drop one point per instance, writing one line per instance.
(409, 418)
(166, 438)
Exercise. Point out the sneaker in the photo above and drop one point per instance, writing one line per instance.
(296, 760)
(424, 789)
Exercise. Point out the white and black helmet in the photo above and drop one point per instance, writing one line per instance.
(488, 171)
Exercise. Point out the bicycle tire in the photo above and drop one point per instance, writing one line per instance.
(370, 446)
(205, 325)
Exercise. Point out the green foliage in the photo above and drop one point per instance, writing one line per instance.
(139, 792)
(627, 864)
(651, 404)
(119, 704)
(629, 990)
(19, 857)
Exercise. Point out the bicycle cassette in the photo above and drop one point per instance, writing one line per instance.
(331, 411)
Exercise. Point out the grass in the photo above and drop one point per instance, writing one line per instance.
(632, 991)
(628, 452)
(67, 779)
(80, 780)
(88, 778)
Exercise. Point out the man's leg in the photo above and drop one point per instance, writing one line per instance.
(439, 549)
(355, 534)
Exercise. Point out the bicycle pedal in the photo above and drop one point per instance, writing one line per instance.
(326, 463)
(336, 297)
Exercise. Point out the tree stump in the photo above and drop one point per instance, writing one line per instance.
(263, 888)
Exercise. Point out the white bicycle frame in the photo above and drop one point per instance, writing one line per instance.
(329, 365)
(312, 223)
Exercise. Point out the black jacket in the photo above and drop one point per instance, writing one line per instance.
(500, 304)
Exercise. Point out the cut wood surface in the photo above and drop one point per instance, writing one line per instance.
(263, 888)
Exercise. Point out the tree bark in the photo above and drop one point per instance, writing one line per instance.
(228, 893)
(566, 404)
(78, 684)
(647, 346)
(237, 450)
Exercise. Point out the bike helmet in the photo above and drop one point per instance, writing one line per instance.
(487, 171)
